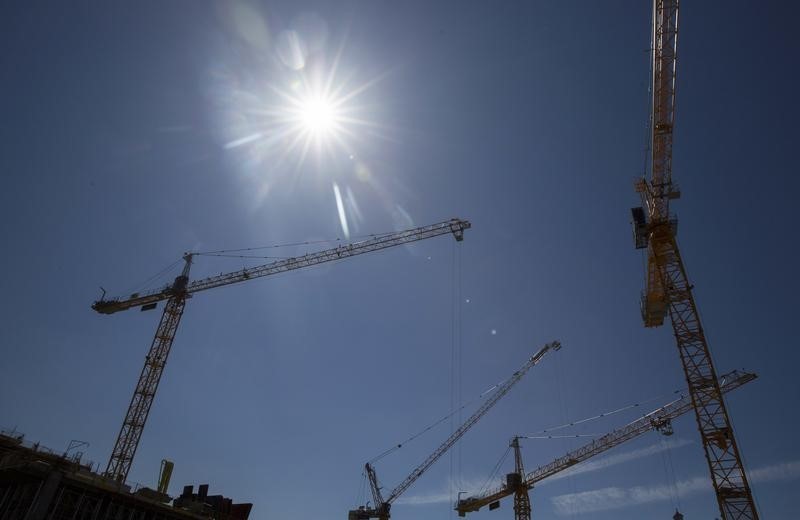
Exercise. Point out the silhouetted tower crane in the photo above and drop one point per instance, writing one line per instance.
(181, 289)
(519, 483)
(667, 285)
(381, 507)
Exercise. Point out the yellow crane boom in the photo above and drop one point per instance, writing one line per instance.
(181, 289)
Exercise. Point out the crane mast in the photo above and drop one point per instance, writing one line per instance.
(181, 289)
(667, 287)
(522, 501)
(139, 408)
(382, 507)
(519, 483)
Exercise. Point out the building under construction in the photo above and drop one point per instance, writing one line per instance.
(39, 484)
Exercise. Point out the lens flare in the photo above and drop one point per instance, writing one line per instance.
(294, 110)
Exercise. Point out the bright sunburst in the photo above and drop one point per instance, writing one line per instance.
(318, 115)
(292, 96)
(317, 112)
(310, 111)
(288, 99)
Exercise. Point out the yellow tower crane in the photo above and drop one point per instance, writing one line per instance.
(519, 483)
(668, 290)
(181, 289)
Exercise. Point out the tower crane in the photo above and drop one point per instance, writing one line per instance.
(667, 287)
(518, 483)
(381, 507)
(181, 289)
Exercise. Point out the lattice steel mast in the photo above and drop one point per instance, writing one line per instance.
(522, 501)
(180, 290)
(667, 284)
(519, 483)
(139, 408)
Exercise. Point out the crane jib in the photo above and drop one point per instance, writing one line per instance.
(455, 226)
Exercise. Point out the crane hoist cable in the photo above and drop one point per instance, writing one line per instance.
(455, 365)
(605, 414)
(669, 473)
(254, 257)
(495, 471)
(563, 436)
(182, 289)
(295, 244)
(228, 253)
(439, 421)
(144, 285)
(381, 507)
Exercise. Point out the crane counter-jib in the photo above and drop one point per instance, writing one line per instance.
(146, 300)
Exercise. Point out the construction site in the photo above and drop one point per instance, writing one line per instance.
(397, 365)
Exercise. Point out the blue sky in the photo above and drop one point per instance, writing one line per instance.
(133, 133)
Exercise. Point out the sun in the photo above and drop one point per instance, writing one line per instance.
(313, 112)
(306, 125)
(314, 115)
(318, 115)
